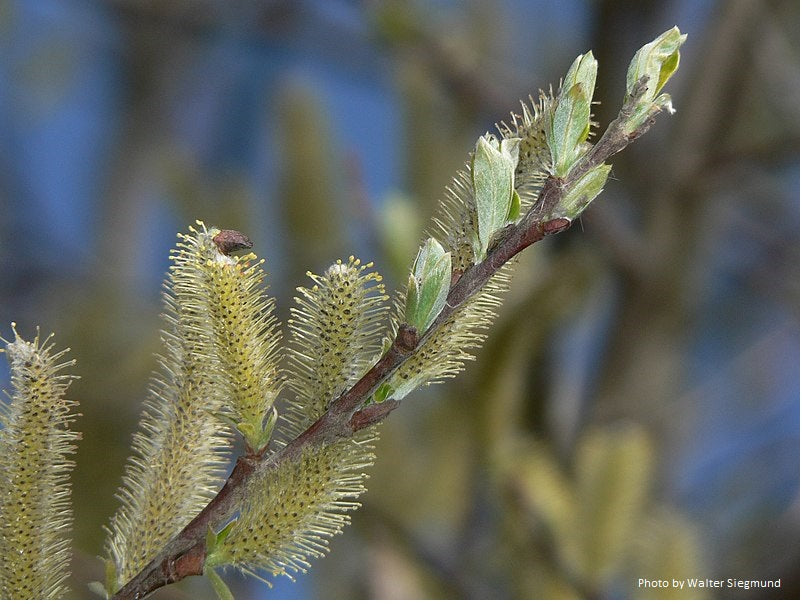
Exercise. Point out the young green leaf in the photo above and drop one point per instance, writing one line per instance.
(657, 61)
(493, 173)
(569, 123)
(428, 285)
(581, 193)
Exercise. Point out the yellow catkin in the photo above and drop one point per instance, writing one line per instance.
(221, 363)
(290, 512)
(335, 336)
(246, 340)
(180, 450)
(35, 450)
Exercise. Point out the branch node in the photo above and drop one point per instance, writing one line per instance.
(556, 225)
(407, 339)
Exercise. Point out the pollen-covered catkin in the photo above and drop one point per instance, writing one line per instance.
(290, 512)
(36, 446)
(246, 340)
(334, 337)
(180, 450)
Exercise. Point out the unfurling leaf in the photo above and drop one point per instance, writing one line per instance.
(581, 193)
(428, 285)
(569, 123)
(493, 173)
(657, 61)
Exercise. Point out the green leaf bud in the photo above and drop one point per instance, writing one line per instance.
(493, 175)
(428, 285)
(569, 125)
(515, 207)
(382, 392)
(657, 60)
(582, 71)
(443, 354)
(582, 192)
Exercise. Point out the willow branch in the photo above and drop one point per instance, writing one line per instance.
(185, 554)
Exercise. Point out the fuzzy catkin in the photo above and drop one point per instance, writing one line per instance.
(290, 512)
(245, 340)
(335, 328)
(242, 317)
(455, 222)
(444, 354)
(180, 450)
(534, 160)
(36, 446)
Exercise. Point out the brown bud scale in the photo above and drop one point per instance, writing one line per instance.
(229, 241)
(557, 225)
